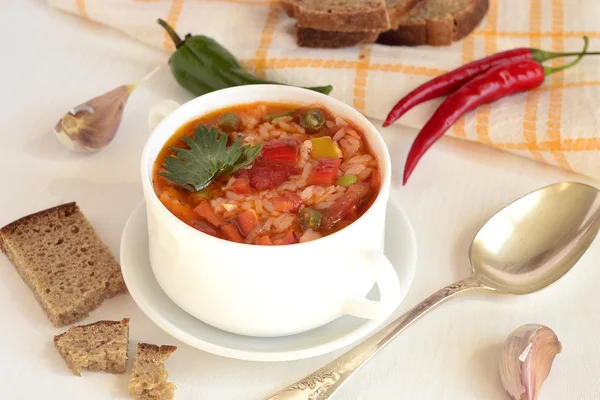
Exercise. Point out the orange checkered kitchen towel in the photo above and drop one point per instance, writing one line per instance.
(559, 123)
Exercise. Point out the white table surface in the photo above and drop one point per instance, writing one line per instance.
(52, 61)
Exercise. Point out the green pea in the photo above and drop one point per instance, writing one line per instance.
(313, 120)
(347, 180)
(229, 122)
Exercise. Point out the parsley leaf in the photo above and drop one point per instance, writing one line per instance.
(208, 157)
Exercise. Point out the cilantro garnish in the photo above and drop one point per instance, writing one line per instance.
(207, 158)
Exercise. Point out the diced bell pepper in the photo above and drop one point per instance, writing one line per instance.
(325, 147)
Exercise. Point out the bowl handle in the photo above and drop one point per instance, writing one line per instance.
(159, 111)
(389, 290)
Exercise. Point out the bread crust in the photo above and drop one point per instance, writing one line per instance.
(310, 36)
(69, 208)
(124, 321)
(164, 349)
(350, 20)
(436, 32)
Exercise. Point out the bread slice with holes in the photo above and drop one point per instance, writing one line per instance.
(149, 376)
(436, 23)
(310, 36)
(339, 15)
(101, 346)
(59, 255)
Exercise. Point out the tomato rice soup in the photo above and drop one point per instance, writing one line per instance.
(297, 174)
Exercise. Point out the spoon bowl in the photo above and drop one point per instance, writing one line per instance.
(534, 241)
(525, 247)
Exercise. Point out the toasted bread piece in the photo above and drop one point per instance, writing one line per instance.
(329, 38)
(149, 377)
(63, 261)
(436, 23)
(339, 15)
(101, 346)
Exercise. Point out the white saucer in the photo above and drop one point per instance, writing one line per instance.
(400, 248)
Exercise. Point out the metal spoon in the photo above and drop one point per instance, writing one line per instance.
(524, 248)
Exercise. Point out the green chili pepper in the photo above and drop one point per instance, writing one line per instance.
(347, 180)
(201, 65)
(229, 122)
(309, 218)
(313, 120)
(271, 117)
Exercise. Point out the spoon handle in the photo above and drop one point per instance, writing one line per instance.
(323, 383)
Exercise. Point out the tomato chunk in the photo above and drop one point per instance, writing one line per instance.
(288, 238)
(375, 180)
(263, 240)
(344, 205)
(203, 227)
(231, 232)
(204, 210)
(248, 221)
(325, 173)
(241, 186)
(287, 202)
(268, 175)
(280, 150)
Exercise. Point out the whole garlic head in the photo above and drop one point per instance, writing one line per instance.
(526, 359)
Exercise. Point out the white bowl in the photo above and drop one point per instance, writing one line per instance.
(270, 290)
(152, 300)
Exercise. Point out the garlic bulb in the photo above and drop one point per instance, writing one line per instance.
(92, 125)
(526, 359)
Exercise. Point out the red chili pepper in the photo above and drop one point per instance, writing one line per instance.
(500, 81)
(447, 83)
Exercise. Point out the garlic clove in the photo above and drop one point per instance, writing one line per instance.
(92, 125)
(526, 359)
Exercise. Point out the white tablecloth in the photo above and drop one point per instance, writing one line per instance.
(53, 61)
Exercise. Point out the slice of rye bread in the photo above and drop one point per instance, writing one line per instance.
(310, 37)
(339, 15)
(436, 23)
(101, 346)
(64, 262)
(149, 377)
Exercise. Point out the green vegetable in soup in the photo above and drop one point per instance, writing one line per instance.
(271, 117)
(229, 122)
(208, 157)
(310, 218)
(313, 120)
(347, 180)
